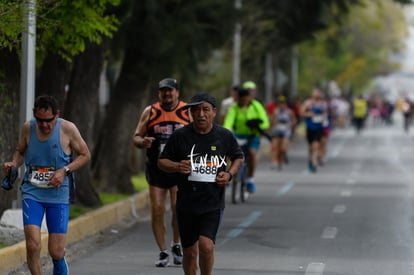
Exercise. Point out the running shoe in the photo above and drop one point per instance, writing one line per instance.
(60, 267)
(312, 168)
(163, 260)
(251, 188)
(177, 254)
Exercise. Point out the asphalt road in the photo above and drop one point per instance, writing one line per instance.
(354, 216)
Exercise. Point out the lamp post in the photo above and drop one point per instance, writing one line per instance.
(27, 80)
(237, 47)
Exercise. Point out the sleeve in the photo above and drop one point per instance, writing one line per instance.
(235, 151)
(230, 118)
(263, 116)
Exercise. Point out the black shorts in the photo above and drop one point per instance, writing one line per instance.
(192, 225)
(158, 178)
(314, 135)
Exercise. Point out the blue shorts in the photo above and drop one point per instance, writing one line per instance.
(253, 142)
(57, 215)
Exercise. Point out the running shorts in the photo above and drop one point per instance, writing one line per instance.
(57, 215)
(194, 225)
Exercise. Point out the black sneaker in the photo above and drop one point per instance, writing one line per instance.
(177, 254)
(163, 260)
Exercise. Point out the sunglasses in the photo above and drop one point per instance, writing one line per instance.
(47, 120)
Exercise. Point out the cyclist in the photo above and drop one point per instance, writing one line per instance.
(282, 123)
(248, 119)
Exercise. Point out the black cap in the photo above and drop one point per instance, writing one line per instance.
(200, 98)
(168, 83)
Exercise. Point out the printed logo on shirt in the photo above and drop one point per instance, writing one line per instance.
(204, 168)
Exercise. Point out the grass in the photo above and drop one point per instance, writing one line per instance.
(139, 183)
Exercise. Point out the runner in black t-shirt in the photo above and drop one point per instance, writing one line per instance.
(207, 156)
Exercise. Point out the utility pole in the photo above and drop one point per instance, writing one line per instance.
(237, 47)
(294, 72)
(269, 74)
(27, 80)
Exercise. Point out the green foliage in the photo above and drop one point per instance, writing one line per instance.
(108, 198)
(63, 27)
(77, 210)
(11, 14)
(356, 50)
(171, 37)
(139, 182)
(68, 25)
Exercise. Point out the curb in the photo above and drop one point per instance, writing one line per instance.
(14, 256)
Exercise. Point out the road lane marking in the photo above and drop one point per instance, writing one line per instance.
(285, 189)
(315, 269)
(337, 148)
(240, 228)
(244, 224)
(339, 209)
(329, 232)
(346, 193)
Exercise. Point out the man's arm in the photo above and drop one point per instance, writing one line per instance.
(169, 166)
(304, 110)
(264, 125)
(230, 118)
(17, 158)
(140, 139)
(79, 146)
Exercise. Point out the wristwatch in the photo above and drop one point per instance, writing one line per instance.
(67, 170)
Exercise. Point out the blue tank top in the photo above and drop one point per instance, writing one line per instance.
(41, 159)
(315, 122)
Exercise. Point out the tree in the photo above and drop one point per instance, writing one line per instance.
(355, 51)
(64, 29)
(183, 34)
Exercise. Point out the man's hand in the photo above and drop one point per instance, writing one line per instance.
(254, 123)
(147, 142)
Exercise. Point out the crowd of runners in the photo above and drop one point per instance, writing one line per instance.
(317, 116)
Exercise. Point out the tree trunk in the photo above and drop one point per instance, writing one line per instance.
(54, 78)
(9, 113)
(113, 155)
(82, 108)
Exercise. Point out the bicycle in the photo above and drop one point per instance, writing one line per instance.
(241, 175)
(239, 182)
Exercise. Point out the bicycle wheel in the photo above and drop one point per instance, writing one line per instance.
(234, 194)
(243, 189)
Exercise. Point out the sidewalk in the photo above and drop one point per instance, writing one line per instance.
(13, 257)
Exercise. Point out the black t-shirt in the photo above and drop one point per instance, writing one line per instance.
(209, 154)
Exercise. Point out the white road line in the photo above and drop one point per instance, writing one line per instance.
(346, 193)
(329, 232)
(339, 209)
(315, 269)
(285, 189)
(234, 233)
(243, 225)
